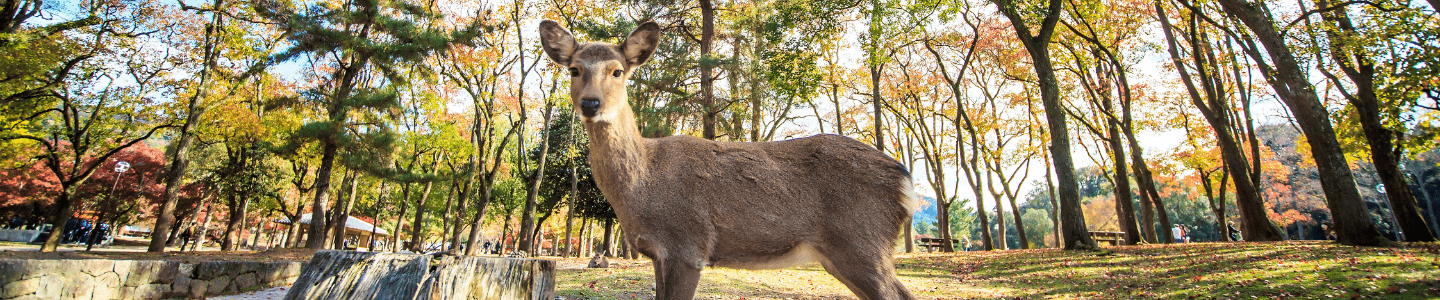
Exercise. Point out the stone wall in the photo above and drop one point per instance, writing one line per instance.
(368, 275)
(137, 279)
(16, 235)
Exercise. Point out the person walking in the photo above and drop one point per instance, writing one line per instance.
(1178, 232)
(185, 238)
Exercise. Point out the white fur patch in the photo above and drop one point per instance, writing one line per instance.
(800, 255)
(911, 201)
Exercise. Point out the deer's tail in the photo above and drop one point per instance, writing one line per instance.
(908, 199)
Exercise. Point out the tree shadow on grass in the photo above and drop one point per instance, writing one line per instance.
(1269, 270)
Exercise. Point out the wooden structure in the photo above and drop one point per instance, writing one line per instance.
(354, 227)
(931, 244)
(1115, 238)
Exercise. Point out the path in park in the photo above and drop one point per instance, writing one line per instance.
(265, 294)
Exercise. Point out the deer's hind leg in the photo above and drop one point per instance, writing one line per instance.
(869, 273)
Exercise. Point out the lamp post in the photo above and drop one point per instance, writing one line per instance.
(120, 168)
(1395, 224)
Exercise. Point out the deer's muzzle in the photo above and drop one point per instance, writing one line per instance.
(589, 106)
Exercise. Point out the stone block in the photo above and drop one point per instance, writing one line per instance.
(50, 286)
(108, 280)
(137, 273)
(360, 275)
(20, 288)
(149, 291)
(77, 286)
(245, 282)
(215, 269)
(218, 284)
(12, 270)
(95, 267)
(168, 271)
(123, 269)
(102, 292)
(198, 289)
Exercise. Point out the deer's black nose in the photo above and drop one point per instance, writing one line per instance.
(588, 106)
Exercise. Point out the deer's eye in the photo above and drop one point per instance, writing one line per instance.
(616, 73)
(574, 72)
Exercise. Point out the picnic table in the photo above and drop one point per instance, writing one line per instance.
(1115, 238)
(930, 244)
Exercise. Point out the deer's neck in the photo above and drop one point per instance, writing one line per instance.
(617, 154)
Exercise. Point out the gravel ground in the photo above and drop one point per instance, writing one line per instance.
(265, 294)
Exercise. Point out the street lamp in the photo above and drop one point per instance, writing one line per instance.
(120, 168)
(1395, 223)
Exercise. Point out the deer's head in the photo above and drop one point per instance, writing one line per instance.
(599, 71)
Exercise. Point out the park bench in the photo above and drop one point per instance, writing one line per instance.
(931, 244)
(1114, 237)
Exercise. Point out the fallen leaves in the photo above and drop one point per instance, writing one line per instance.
(1200, 271)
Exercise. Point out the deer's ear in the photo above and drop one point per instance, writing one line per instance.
(558, 42)
(641, 43)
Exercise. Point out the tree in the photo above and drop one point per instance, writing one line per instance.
(194, 109)
(1215, 106)
(92, 121)
(1037, 42)
(1348, 52)
(359, 34)
(1353, 225)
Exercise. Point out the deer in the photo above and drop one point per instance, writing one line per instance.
(688, 203)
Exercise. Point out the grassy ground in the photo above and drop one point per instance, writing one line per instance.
(1299, 270)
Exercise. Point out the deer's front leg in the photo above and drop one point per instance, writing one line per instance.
(676, 278)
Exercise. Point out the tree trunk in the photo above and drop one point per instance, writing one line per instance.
(1149, 193)
(415, 234)
(1019, 225)
(609, 229)
(476, 222)
(399, 227)
(1255, 223)
(181, 161)
(528, 228)
(445, 217)
(238, 207)
(1054, 208)
(1072, 220)
(986, 238)
(204, 226)
(64, 208)
(342, 212)
(459, 215)
(1359, 67)
(1353, 225)
(1001, 242)
(873, 55)
(707, 82)
(1124, 204)
(942, 220)
(316, 237)
(570, 215)
(292, 235)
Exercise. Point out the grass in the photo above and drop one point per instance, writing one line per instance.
(1298, 270)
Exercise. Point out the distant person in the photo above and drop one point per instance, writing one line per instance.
(1187, 232)
(1329, 230)
(1178, 233)
(1234, 233)
(185, 237)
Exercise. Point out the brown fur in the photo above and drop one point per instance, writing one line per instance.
(688, 203)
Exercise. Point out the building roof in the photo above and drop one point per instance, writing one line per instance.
(351, 223)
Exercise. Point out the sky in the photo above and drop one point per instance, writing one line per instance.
(1151, 70)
